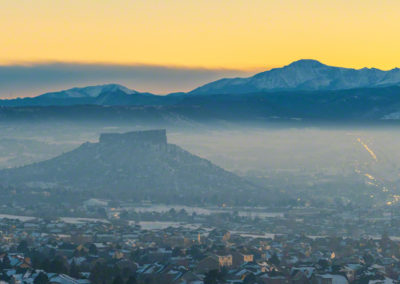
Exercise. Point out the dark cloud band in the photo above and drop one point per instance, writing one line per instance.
(32, 80)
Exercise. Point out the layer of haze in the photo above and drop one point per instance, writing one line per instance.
(326, 162)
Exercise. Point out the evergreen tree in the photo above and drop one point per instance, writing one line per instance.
(45, 265)
(274, 260)
(101, 273)
(73, 270)
(58, 266)
(213, 277)
(92, 249)
(41, 279)
(131, 280)
(118, 280)
(4, 276)
(23, 247)
(6, 263)
(250, 279)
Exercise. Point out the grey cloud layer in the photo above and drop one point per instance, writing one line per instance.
(32, 80)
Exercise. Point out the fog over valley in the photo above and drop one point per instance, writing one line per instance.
(292, 160)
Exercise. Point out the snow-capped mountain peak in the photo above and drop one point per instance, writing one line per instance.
(306, 63)
(305, 74)
(90, 91)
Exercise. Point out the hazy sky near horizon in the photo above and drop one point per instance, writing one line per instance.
(35, 79)
(249, 35)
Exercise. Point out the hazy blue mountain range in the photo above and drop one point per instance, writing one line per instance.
(109, 94)
(380, 105)
(303, 90)
(136, 165)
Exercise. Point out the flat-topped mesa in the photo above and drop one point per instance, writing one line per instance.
(148, 137)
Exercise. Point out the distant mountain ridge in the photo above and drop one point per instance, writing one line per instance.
(305, 89)
(304, 75)
(380, 105)
(108, 94)
(89, 92)
(301, 75)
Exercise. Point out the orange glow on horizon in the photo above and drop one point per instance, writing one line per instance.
(232, 34)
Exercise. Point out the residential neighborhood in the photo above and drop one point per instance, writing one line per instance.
(217, 248)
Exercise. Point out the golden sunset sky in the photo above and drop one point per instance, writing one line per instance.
(232, 34)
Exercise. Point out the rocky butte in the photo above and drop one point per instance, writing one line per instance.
(138, 138)
(138, 165)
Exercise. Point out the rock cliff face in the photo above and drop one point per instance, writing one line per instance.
(135, 165)
(137, 138)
